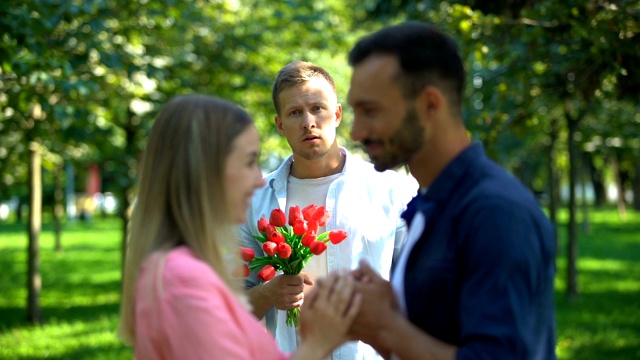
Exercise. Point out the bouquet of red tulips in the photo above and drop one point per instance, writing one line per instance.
(289, 248)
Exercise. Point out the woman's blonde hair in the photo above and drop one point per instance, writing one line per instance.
(181, 194)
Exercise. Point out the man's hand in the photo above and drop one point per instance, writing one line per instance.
(283, 292)
(286, 291)
(379, 304)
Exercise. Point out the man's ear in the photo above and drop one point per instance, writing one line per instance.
(430, 101)
(279, 125)
(338, 114)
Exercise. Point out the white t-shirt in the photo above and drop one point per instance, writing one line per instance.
(303, 192)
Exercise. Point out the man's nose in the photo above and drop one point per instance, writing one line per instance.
(309, 121)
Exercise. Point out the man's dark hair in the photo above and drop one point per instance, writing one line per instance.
(426, 56)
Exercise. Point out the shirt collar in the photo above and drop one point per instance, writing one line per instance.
(444, 184)
(282, 173)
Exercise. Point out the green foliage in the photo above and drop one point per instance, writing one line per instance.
(88, 77)
(531, 63)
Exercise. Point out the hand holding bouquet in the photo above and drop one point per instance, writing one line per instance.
(289, 248)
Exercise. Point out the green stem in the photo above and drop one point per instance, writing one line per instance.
(293, 317)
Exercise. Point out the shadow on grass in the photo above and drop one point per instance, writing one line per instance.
(15, 317)
(81, 283)
(109, 223)
(603, 321)
(73, 302)
(90, 352)
(624, 352)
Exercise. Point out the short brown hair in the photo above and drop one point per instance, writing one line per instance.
(295, 74)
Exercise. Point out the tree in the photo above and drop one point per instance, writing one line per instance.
(559, 62)
(85, 79)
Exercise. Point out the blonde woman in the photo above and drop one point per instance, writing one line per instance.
(198, 174)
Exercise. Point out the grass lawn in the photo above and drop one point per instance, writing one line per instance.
(81, 286)
(80, 294)
(603, 322)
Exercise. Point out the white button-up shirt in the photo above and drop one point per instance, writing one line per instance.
(364, 202)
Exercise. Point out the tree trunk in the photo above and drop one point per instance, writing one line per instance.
(19, 214)
(586, 225)
(615, 167)
(34, 281)
(572, 243)
(597, 181)
(131, 167)
(636, 185)
(554, 196)
(58, 207)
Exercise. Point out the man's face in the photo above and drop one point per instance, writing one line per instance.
(386, 125)
(309, 116)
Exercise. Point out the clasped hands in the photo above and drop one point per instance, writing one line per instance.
(361, 301)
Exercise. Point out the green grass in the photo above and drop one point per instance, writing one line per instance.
(603, 322)
(81, 286)
(80, 294)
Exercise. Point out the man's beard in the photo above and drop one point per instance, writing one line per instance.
(403, 144)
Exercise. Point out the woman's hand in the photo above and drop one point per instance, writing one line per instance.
(327, 314)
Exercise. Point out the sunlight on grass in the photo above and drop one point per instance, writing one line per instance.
(80, 294)
(595, 273)
(603, 322)
(62, 340)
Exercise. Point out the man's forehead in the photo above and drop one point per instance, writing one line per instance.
(375, 74)
(314, 90)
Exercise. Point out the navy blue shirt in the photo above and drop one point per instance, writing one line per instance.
(481, 275)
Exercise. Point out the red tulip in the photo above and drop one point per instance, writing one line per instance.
(270, 248)
(308, 239)
(267, 273)
(325, 219)
(308, 211)
(318, 247)
(337, 236)
(284, 250)
(295, 214)
(247, 254)
(321, 216)
(278, 218)
(241, 271)
(269, 229)
(262, 224)
(299, 227)
(276, 237)
(312, 226)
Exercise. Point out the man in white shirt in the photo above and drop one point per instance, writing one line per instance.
(364, 202)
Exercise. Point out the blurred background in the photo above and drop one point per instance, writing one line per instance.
(553, 93)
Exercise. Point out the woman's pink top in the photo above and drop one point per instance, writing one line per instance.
(195, 316)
